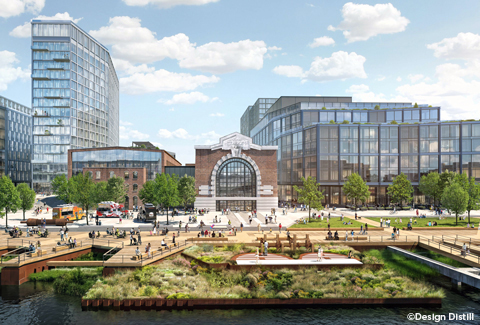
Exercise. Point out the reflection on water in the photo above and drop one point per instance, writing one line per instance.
(33, 303)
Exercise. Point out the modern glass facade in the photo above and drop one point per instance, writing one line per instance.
(118, 158)
(333, 137)
(254, 113)
(15, 141)
(75, 97)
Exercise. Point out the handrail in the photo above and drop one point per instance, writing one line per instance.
(448, 247)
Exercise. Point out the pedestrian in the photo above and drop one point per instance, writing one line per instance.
(258, 227)
(280, 227)
(241, 227)
(61, 234)
(266, 248)
(139, 238)
(320, 254)
(173, 239)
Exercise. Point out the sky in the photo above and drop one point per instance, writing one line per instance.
(188, 69)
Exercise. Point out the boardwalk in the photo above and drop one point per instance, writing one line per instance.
(306, 259)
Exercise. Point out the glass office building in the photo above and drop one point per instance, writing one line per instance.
(254, 113)
(15, 141)
(332, 137)
(75, 97)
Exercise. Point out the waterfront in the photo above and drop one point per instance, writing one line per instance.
(33, 303)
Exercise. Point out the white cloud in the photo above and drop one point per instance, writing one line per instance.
(464, 46)
(361, 21)
(127, 133)
(183, 134)
(162, 4)
(128, 68)
(23, 31)
(415, 77)
(125, 123)
(340, 66)
(163, 80)
(188, 98)
(311, 5)
(9, 73)
(10, 8)
(399, 79)
(274, 48)
(217, 114)
(322, 41)
(381, 78)
(357, 89)
(132, 42)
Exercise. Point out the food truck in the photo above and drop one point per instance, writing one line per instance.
(110, 209)
(68, 211)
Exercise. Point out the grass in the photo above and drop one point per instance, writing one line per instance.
(446, 222)
(217, 254)
(334, 223)
(92, 256)
(438, 257)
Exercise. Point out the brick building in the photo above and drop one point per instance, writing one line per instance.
(135, 165)
(235, 173)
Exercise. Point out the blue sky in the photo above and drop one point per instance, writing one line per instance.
(189, 68)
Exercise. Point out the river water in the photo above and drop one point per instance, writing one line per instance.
(33, 303)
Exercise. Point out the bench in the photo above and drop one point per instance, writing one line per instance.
(60, 248)
(208, 239)
(141, 256)
(169, 246)
(37, 253)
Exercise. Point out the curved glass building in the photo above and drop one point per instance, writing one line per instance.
(332, 137)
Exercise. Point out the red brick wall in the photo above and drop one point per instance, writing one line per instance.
(266, 160)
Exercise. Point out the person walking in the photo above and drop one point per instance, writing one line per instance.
(266, 248)
(241, 227)
(280, 227)
(173, 238)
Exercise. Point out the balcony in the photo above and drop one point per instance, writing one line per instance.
(39, 49)
(65, 58)
(56, 68)
(34, 77)
(53, 97)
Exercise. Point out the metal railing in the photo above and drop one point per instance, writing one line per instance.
(154, 253)
(433, 243)
(98, 241)
(23, 256)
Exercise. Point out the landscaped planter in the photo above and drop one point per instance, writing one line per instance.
(336, 229)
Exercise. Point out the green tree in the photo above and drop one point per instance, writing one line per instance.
(356, 189)
(27, 197)
(473, 190)
(400, 190)
(101, 191)
(187, 191)
(168, 191)
(62, 188)
(416, 105)
(455, 199)
(116, 189)
(84, 191)
(9, 197)
(446, 179)
(148, 193)
(309, 194)
(430, 186)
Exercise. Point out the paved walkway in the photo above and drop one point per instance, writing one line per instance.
(309, 259)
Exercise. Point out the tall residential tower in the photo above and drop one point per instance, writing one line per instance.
(75, 97)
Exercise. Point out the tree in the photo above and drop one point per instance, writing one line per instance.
(167, 188)
(101, 191)
(148, 194)
(116, 189)
(400, 190)
(473, 190)
(356, 189)
(85, 191)
(62, 188)
(416, 105)
(9, 197)
(27, 197)
(446, 179)
(186, 190)
(455, 199)
(430, 186)
(309, 194)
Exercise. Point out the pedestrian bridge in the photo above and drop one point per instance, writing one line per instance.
(468, 276)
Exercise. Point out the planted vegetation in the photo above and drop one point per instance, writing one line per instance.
(178, 279)
(423, 222)
(217, 254)
(334, 223)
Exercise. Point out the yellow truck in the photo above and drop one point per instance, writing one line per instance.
(70, 212)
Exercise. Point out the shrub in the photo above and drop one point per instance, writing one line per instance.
(346, 122)
(207, 248)
(377, 107)
(180, 296)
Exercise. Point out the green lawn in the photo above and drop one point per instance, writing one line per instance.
(446, 222)
(334, 223)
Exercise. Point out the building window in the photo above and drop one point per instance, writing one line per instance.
(329, 139)
(90, 174)
(297, 170)
(135, 187)
(428, 164)
(411, 116)
(369, 140)
(450, 138)
(388, 167)
(309, 118)
(126, 175)
(277, 128)
(429, 138)
(135, 175)
(344, 116)
(389, 139)
(409, 166)
(471, 137)
(394, 116)
(287, 146)
(326, 117)
(127, 187)
(127, 203)
(311, 141)
(471, 166)
(369, 168)
(286, 171)
(297, 144)
(409, 139)
(286, 125)
(377, 117)
(236, 178)
(349, 139)
(450, 163)
(311, 167)
(348, 166)
(97, 174)
(135, 201)
(295, 120)
(328, 168)
(360, 117)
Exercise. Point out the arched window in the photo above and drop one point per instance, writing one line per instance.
(135, 175)
(127, 201)
(135, 201)
(135, 187)
(236, 178)
(127, 187)
(112, 174)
